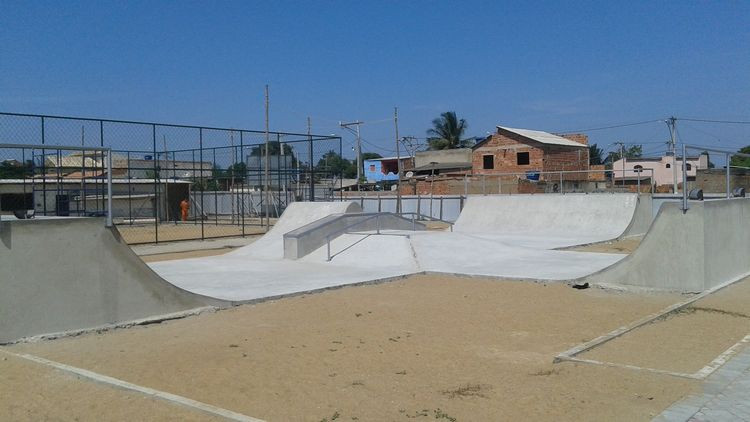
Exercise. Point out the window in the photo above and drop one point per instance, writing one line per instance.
(372, 167)
(522, 158)
(688, 166)
(638, 168)
(488, 162)
(669, 166)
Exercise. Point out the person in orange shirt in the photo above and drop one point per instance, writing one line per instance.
(184, 208)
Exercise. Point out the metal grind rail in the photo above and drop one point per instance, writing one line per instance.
(414, 218)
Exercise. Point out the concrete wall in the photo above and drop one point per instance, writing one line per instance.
(689, 252)
(74, 273)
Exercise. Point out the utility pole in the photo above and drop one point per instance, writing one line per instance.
(398, 162)
(356, 123)
(672, 124)
(412, 145)
(266, 163)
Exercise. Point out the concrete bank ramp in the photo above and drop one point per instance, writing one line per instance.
(554, 221)
(75, 273)
(296, 215)
(688, 252)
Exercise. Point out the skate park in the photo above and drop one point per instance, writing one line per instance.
(350, 285)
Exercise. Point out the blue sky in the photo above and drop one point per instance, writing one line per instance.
(554, 66)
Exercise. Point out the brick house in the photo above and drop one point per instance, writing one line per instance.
(527, 151)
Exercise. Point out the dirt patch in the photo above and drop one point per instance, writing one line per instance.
(32, 392)
(428, 347)
(623, 246)
(685, 341)
(184, 255)
(167, 232)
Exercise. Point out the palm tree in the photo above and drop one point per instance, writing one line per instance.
(447, 131)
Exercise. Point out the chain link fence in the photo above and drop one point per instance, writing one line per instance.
(169, 182)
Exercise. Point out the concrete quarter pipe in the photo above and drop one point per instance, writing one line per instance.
(73, 273)
(687, 251)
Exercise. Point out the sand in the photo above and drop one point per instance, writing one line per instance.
(687, 340)
(146, 233)
(423, 348)
(624, 246)
(31, 392)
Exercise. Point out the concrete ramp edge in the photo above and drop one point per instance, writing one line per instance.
(687, 252)
(67, 274)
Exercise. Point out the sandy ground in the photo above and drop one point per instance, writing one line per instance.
(187, 254)
(423, 348)
(146, 233)
(623, 246)
(688, 340)
(31, 392)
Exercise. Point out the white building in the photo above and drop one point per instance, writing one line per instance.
(663, 169)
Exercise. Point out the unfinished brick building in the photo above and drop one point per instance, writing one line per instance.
(522, 150)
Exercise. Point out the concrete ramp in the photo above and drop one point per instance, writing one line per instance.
(688, 252)
(554, 221)
(74, 273)
(296, 215)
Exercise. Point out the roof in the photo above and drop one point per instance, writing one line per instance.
(442, 166)
(544, 137)
(387, 158)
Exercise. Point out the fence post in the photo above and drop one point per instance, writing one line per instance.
(156, 185)
(109, 187)
(561, 183)
(244, 184)
(311, 176)
(684, 179)
(484, 178)
(441, 207)
(729, 183)
(639, 182)
(379, 203)
(200, 169)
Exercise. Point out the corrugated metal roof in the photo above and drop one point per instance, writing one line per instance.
(543, 137)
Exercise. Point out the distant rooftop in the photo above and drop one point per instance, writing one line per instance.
(543, 137)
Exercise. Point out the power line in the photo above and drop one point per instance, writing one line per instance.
(614, 126)
(737, 122)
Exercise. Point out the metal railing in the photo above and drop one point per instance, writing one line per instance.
(559, 177)
(154, 166)
(346, 230)
(727, 155)
(106, 153)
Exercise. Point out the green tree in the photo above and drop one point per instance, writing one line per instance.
(370, 155)
(741, 161)
(15, 170)
(596, 155)
(447, 132)
(633, 151)
(274, 148)
(331, 162)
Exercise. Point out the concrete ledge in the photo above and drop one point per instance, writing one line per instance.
(308, 238)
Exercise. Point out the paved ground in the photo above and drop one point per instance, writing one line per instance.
(724, 397)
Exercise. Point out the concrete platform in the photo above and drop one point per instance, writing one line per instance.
(484, 242)
(74, 273)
